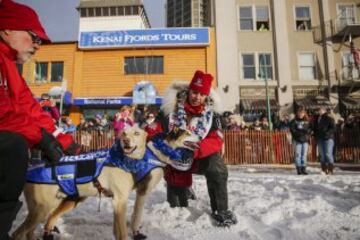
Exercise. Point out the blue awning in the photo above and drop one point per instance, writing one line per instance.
(108, 101)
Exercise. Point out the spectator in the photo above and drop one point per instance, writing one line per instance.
(49, 105)
(300, 130)
(151, 126)
(123, 119)
(324, 129)
(68, 126)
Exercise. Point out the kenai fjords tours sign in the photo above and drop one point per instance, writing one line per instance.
(145, 37)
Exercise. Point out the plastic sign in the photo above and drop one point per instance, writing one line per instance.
(144, 92)
(145, 37)
(108, 101)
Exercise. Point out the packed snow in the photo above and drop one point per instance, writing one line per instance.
(270, 203)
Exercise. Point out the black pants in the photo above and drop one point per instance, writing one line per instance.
(13, 165)
(216, 174)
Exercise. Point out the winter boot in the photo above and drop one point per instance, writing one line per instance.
(8, 212)
(331, 169)
(224, 218)
(177, 196)
(298, 170)
(139, 236)
(190, 194)
(324, 168)
(303, 171)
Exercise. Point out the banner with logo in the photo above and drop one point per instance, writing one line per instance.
(145, 38)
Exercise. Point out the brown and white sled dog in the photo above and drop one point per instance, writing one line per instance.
(46, 202)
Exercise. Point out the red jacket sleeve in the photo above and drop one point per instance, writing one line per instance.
(26, 117)
(210, 145)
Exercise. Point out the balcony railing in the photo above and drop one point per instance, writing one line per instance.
(336, 29)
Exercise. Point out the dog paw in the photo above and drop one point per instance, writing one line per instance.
(139, 236)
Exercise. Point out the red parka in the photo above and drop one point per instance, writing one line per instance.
(19, 110)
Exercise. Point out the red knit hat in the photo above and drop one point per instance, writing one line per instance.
(201, 82)
(15, 16)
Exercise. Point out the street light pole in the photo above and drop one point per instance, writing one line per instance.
(263, 70)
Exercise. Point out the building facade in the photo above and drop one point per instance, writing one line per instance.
(284, 42)
(102, 76)
(110, 15)
(189, 13)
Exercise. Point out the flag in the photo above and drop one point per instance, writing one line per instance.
(355, 54)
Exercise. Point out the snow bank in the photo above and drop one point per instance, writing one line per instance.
(270, 204)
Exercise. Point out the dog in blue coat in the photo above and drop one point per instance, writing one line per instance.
(131, 163)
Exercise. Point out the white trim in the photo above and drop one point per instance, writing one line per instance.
(346, 4)
(298, 53)
(294, 16)
(256, 64)
(238, 17)
(253, 16)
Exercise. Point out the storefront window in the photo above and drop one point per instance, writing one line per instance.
(144, 65)
(57, 71)
(41, 71)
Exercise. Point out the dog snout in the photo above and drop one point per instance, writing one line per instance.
(126, 141)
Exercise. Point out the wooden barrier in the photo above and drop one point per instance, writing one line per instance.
(250, 147)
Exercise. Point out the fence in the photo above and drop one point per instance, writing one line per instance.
(250, 147)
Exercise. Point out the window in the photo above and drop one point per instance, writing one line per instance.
(91, 12)
(256, 65)
(144, 65)
(302, 18)
(265, 65)
(128, 10)
(41, 71)
(349, 71)
(262, 18)
(19, 67)
(57, 71)
(112, 11)
(98, 12)
(135, 10)
(246, 21)
(83, 12)
(121, 11)
(346, 15)
(307, 70)
(105, 11)
(249, 69)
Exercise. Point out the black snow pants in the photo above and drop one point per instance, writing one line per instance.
(216, 174)
(13, 165)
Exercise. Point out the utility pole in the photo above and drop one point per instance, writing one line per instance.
(263, 74)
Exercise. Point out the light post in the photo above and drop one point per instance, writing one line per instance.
(263, 74)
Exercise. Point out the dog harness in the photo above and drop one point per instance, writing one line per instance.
(70, 170)
(139, 167)
(85, 168)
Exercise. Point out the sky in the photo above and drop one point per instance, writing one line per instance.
(61, 19)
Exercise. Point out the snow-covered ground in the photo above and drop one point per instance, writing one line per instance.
(270, 203)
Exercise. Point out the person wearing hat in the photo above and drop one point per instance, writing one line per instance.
(196, 107)
(23, 123)
(324, 130)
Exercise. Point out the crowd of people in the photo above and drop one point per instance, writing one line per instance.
(25, 124)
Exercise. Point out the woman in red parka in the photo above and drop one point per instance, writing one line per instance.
(194, 107)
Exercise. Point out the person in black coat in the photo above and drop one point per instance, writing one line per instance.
(324, 130)
(300, 130)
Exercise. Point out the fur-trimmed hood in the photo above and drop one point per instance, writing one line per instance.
(171, 93)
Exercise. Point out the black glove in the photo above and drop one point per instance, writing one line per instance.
(73, 149)
(50, 147)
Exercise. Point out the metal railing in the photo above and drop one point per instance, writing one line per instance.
(333, 28)
(251, 147)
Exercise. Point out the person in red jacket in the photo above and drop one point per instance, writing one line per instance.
(23, 123)
(195, 107)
